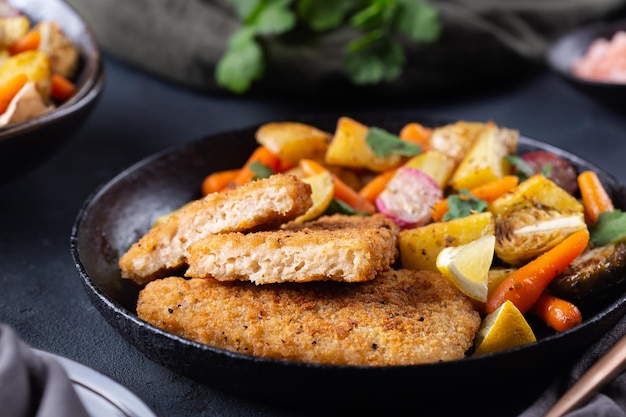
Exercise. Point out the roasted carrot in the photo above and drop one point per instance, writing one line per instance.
(62, 88)
(492, 190)
(596, 200)
(10, 89)
(487, 192)
(343, 191)
(440, 209)
(526, 284)
(416, 133)
(261, 155)
(218, 181)
(557, 313)
(29, 42)
(372, 189)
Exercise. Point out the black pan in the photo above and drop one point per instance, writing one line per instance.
(122, 210)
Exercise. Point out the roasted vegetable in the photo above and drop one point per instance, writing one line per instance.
(420, 246)
(532, 219)
(592, 275)
(524, 234)
(408, 197)
(553, 167)
(293, 141)
(349, 148)
(455, 139)
(485, 161)
(435, 164)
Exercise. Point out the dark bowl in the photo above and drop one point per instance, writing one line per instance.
(122, 210)
(25, 146)
(572, 46)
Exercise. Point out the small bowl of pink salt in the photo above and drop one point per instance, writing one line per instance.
(593, 59)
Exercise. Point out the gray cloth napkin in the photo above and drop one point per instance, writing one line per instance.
(609, 402)
(32, 385)
(483, 41)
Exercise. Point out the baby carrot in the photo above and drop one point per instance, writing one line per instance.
(28, 42)
(557, 313)
(439, 210)
(10, 89)
(487, 192)
(261, 155)
(372, 189)
(526, 284)
(218, 181)
(595, 198)
(417, 134)
(494, 189)
(343, 191)
(62, 88)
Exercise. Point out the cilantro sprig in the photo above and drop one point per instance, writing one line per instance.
(384, 143)
(609, 228)
(375, 55)
(463, 204)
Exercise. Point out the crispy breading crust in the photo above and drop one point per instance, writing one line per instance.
(261, 204)
(402, 317)
(344, 221)
(351, 254)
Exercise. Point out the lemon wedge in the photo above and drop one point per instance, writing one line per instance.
(503, 329)
(322, 192)
(467, 266)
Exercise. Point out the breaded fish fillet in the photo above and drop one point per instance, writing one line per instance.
(402, 317)
(341, 248)
(259, 204)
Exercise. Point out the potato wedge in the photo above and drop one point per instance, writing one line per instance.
(349, 148)
(420, 246)
(455, 139)
(292, 141)
(36, 66)
(435, 164)
(485, 162)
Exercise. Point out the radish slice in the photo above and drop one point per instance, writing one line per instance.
(408, 198)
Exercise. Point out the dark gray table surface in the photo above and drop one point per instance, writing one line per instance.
(41, 296)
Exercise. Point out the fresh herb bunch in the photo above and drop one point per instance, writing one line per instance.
(375, 56)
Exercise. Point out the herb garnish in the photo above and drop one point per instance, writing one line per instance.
(463, 204)
(384, 143)
(610, 227)
(260, 170)
(375, 55)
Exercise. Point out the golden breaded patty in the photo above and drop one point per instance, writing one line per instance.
(351, 254)
(261, 204)
(402, 317)
(344, 221)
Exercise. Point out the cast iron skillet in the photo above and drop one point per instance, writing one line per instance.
(122, 210)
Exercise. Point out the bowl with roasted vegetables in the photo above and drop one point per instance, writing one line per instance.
(51, 76)
(417, 258)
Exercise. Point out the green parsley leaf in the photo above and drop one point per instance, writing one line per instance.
(323, 15)
(274, 18)
(418, 20)
(462, 207)
(383, 60)
(245, 9)
(242, 63)
(339, 207)
(547, 170)
(384, 143)
(260, 170)
(524, 170)
(610, 227)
